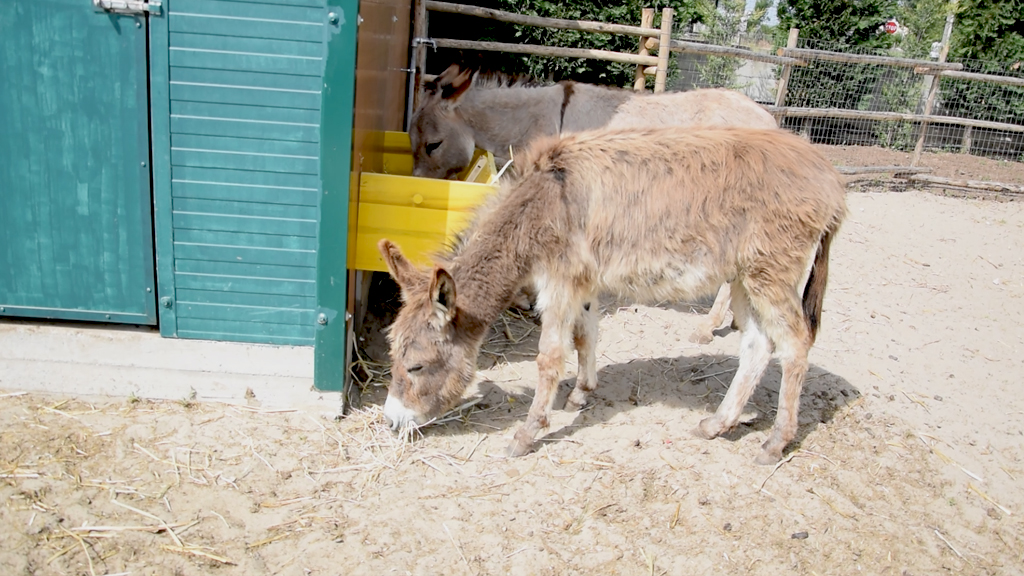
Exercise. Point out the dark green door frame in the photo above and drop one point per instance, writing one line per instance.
(335, 173)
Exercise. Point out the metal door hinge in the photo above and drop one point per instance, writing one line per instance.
(128, 6)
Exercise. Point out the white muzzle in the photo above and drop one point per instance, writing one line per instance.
(397, 414)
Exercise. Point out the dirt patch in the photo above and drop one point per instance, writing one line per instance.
(909, 458)
(945, 164)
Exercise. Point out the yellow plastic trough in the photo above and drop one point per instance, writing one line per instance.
(420, 215)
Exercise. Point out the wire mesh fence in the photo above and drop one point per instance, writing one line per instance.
(881, 96)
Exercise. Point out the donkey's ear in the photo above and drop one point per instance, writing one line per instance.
(454, 81)
(401, 269)
(442, 295)
(429, 86)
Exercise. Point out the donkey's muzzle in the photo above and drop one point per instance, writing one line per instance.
(397, 415)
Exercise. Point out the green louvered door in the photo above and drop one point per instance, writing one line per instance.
(240, 109)
(75, 227)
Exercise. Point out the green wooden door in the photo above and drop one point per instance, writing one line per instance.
(251, 170)
(75, 203)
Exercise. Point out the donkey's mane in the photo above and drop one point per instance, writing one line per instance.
(493, 80)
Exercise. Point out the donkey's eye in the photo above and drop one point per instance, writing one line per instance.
(414, 368)
(431, 147)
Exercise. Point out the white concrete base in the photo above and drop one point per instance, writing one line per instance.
(100, 359)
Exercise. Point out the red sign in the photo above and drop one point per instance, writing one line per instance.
(891, 26)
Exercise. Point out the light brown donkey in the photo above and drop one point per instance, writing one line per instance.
(652, 215)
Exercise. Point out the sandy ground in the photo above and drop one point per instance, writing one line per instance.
(908, 460)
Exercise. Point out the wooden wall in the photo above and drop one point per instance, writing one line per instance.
(381, 82)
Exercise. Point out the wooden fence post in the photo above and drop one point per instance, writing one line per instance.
(646, 21)
(664, 49)
(967, 142)
(787, 69)
(419, 63)
(933, 88)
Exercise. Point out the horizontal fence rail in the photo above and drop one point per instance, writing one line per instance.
(537, 50)
(540, 21)
(925, 66)
(793, 112)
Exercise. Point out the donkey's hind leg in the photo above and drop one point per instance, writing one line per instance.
(755, 353)
(584, 337)
(787, 328)
(704, 333)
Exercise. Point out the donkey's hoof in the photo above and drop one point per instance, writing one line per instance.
(708, 428)
(768, 457)
(771, 450)
(701, 337)
(572, 406)
(576, 401)
(519, 447)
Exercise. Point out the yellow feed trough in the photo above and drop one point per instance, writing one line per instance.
(420, 215)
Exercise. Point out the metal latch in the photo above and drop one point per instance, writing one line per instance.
(128, 6)
(428, 41)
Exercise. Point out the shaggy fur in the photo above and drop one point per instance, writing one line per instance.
(650, 215)
(464, 111)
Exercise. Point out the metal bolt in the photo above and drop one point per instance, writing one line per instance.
(332, 17)
(108, 316)
(149, 289)
(322, 319)
(2, 308)
(166, 302)
(138, 24)
(143, 164)
(348, 316)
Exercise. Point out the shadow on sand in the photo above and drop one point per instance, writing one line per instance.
(693, 384)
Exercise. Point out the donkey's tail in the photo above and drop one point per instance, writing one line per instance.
(814, 291)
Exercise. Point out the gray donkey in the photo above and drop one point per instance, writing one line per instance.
(464, 110)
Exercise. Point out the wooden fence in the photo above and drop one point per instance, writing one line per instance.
(653, 39)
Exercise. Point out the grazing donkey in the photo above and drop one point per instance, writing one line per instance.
(653, 215)
(464, 111)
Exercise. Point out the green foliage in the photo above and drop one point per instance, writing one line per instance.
(834, 25)
(592, 71)
(989, 38)
(899, 92)
(722, 26)
(925, 20)
(991, 31)
(842, 22)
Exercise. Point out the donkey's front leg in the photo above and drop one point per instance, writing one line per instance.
(584, 336)
(554, 334)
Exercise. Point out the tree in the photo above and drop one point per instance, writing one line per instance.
(924, 20)
(838, 22)
(723, 21)
(989, 38)
(991, 31)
